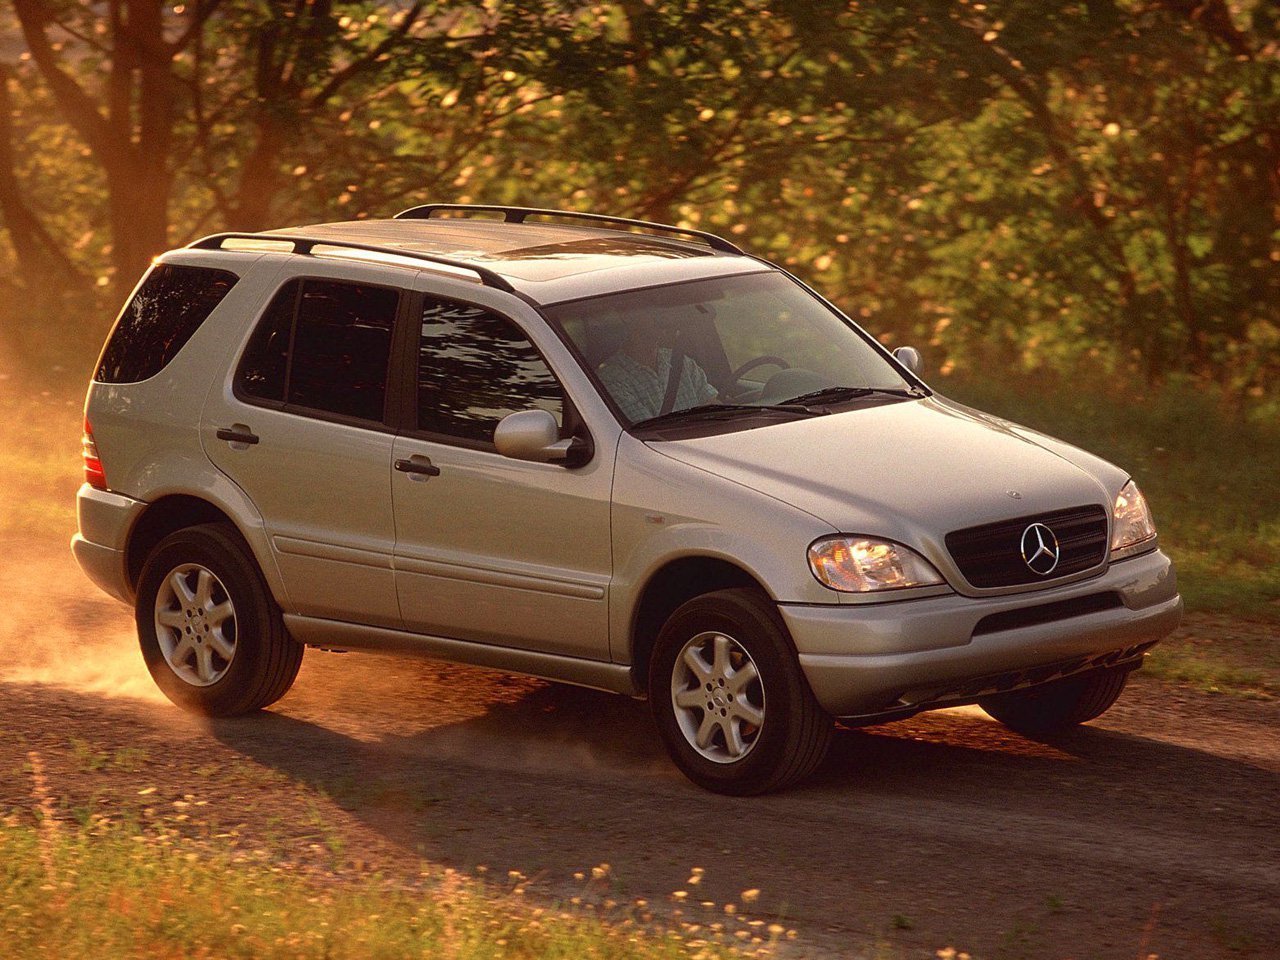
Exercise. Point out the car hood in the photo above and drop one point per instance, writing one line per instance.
(911, 471)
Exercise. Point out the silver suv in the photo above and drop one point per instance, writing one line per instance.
(610, 453)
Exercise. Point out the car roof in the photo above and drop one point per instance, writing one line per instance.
(550, 262)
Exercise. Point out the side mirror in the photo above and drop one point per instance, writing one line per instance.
(534, 435)
(909, 357)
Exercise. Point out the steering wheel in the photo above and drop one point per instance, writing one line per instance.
(758, 362)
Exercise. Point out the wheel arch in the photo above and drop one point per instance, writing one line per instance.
(674, 583)
(176, 511)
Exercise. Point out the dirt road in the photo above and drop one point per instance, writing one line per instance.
(1156, 830)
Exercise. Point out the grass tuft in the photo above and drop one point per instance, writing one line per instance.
(107, 891)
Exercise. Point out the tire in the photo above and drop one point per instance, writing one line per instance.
(728, 632)
(210, 632)
(1057, 707)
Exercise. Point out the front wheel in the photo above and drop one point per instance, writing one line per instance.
(732, 706)
(210, 632)
(1057, 707)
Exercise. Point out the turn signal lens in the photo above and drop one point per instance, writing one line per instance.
(863, 565)
(94, 475)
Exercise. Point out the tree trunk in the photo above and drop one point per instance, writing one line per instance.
(130, 133)
(141, 184)
(44, 270)
(260, 178)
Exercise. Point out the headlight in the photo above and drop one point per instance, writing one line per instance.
(861, 565)
(1133, 526)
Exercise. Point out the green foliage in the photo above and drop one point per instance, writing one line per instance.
(1080, 191)
(1050, 184)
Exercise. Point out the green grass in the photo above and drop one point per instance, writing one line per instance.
(1220, 654)
(1212, 476)
(103, 891)
(1210, 675)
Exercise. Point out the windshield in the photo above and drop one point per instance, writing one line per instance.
(746, 341)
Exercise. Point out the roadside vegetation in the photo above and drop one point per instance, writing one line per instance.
(1093, 256)
(1221, 654)
(1040, 182)
(155, 895)
(1072, 209)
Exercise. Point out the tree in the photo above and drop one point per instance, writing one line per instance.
(128, 123)
(1048, 184)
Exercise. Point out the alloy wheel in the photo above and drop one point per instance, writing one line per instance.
(718, 697)
(195, 622)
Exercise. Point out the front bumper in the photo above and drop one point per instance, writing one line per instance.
(105, 520)
(896, 657)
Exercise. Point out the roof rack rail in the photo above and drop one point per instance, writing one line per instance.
(304, 245)
(519, 214)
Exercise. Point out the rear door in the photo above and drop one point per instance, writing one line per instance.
(488, 548)
(302, 428)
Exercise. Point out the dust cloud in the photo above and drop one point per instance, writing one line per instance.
(58, 628)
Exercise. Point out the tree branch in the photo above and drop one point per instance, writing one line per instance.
(204, 10)
(80, 108)
(1214, 18)
(360, 65)
(1010, 72)
(34, 246)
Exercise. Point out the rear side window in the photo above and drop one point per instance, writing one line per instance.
(323, 345)
(159, 320)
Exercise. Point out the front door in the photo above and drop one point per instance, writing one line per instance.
(491, 549)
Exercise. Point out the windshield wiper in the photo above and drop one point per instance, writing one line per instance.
(838, 394)
(801, 405)
(713, 410)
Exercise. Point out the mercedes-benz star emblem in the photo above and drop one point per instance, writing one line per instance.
(1040, 549)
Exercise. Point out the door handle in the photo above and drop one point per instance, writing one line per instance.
(235, 435)
(422, 465)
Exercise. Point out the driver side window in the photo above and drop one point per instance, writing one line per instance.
(769, 328)
(474, 368)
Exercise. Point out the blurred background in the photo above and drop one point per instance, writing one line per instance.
(1072, 209)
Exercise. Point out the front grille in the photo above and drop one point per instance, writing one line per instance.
(991, 555)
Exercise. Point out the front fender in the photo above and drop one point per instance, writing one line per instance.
(664, 509)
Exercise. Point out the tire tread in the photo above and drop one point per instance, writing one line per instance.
(809, 738)
(281, 654)
(284, 654)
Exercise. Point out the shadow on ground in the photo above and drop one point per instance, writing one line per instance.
(946, 824)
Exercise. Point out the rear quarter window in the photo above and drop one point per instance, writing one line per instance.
(159, 320)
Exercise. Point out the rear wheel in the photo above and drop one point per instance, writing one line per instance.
(1056, 707)
(734, 710)
(210, 632)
